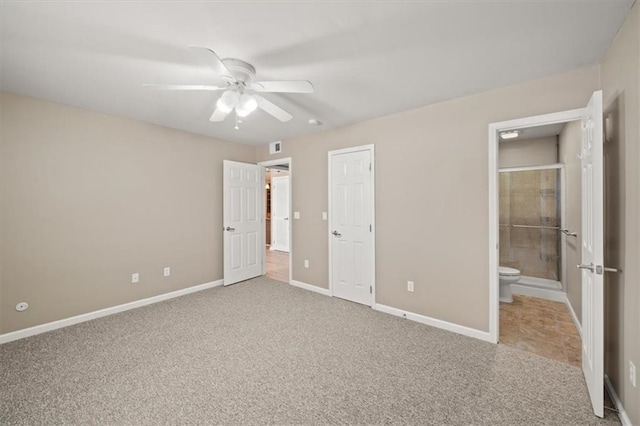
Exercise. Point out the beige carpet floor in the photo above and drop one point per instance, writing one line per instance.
(263, 352)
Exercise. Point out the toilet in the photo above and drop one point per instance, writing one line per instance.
(508, 276)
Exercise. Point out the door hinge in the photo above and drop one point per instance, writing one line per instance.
(369, 166)
(370, 289)
(370, 228)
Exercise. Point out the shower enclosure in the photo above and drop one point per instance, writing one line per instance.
(531, 223)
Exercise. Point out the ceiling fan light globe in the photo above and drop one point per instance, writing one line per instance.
(246, 105)
(228, 101)
(222, 106)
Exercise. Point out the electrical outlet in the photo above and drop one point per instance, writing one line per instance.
(306, 263)
(135, 278)
(632, 373)
(410, 286)
(167, 271)
(296, 215)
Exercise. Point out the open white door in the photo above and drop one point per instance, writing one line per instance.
(242, 205)
(352, 268)
(280, 213)
(592, 253)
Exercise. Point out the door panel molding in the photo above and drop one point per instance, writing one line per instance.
(242, 203)
(337, 221)
(280, 219)
(593, 252)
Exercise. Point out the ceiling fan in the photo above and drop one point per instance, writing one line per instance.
(241, 92)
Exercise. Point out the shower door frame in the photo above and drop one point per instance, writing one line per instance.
(549, 293)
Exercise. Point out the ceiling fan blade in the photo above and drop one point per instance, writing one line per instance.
(215, 62)
(218, 115)
(184, 87)
(292, 86)
(273, 109)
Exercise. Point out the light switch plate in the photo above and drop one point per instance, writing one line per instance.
(324, 215)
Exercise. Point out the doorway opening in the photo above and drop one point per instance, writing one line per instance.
(538, 233)
(537, 240)
(539, 169)
(277, 223)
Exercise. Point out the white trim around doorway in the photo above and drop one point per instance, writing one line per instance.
(267, 164)
(494, 248)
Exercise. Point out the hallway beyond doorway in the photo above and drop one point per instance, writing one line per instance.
(277, 265)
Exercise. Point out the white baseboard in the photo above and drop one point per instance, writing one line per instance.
(471, 332)
(624, 417)
(43, 328)
(576, 321)
(310, 287)
(542, 293)
(455, 328)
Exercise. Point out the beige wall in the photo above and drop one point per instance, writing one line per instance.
(529, 152)
(620, 84)
(431, 195)
(88, 199)
(570, 140)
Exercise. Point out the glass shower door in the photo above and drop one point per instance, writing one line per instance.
(530, 221)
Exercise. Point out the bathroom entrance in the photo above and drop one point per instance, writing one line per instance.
(546, 216)
(535, 236)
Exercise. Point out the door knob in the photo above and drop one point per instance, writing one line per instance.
(228, 228)
(337, 234)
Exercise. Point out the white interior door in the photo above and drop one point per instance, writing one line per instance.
(242, 206)
(351, 226)
(593, 253)
(280, 213)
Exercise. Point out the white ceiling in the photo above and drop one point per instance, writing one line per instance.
(365, 59)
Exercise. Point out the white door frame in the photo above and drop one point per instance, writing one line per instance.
(494, 199)
(371, 150)
(266, 164)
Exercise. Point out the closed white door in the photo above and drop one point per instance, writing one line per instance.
(593, 253)
(242, 220)
(280, 213)
(351, 226)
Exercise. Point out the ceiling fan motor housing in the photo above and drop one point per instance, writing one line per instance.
(241, 71)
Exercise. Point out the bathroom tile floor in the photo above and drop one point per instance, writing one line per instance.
(542, 327)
